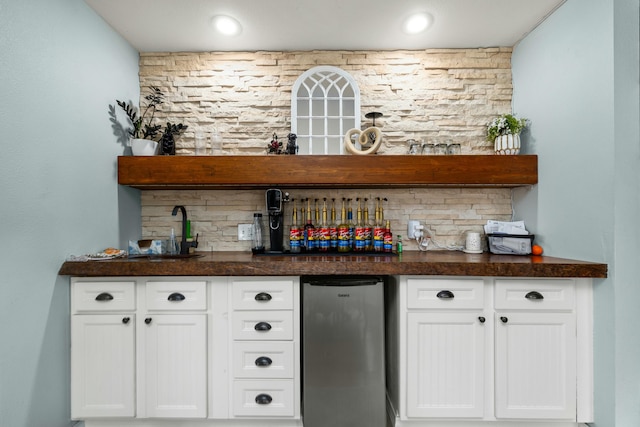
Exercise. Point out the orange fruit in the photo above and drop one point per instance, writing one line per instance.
(537, 250)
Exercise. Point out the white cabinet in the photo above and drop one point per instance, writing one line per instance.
(535, 347)
(175, 366)
(192, 351)
(265, 330)
(445, 363)
(445, 348)
(103, 349)
(491, 349)
(139, 349)
(102, 365)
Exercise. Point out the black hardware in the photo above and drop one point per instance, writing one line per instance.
(263, 296)
(445, 295)
(262, 326)
(176, 296)
(263, 399)
(105, 296)
(504, 319)
(125, 320)
(533, 295)
(482, 319)
(147, 320)
(263, 361)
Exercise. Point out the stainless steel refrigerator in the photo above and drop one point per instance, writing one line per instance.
(343, 377)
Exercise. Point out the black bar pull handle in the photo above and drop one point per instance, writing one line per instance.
(176, 296)
(445, 294)
(263, 361)
(263, 399)
(534, 295)
(147, 320)
(262, 326)
(125, 320)
(105, 296)
(263, 297)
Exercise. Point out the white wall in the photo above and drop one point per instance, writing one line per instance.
(576, 78)
(60, 68)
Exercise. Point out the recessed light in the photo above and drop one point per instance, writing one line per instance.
(226, 25)
(417, 23)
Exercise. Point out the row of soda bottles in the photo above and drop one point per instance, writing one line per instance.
(328, 234)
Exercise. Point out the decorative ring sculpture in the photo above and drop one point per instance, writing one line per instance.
(369, 139)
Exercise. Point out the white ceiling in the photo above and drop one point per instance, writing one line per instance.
(185, 25)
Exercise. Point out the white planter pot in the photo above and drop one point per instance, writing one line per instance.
(507, 144)
(143, 147)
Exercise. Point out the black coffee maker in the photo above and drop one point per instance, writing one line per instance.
(274, 209)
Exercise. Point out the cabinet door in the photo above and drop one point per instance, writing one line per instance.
(445, 366)
(102, 366)
(536, 365)
(176, 366)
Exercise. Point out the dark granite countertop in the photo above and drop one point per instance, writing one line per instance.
(445, 263)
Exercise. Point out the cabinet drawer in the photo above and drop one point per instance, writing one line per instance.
(548, 294)
(261, 294)
(263, 359)
(445, 293)
(275, 397)
(178, 295)
(103, 296)
(262, 325)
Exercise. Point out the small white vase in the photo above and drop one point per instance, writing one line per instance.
(143, 147)
(507, 144)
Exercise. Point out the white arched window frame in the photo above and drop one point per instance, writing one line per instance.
(325, 104)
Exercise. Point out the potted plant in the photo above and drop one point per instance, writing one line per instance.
(504, 132)
(145, 134)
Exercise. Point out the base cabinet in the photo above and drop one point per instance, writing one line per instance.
(103, 365)
(445, 359)
(491, 350)
(148, 350)
(175, 366)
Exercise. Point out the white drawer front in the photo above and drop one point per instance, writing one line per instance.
(178, 295)
(103, 296)
(279, 394)
(547, 294)
(275, 325)
(445, 293)
(263, 359)
(261, 294)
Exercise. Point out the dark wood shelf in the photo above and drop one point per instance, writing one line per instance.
(344, 171)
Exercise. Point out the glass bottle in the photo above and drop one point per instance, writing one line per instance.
(256, 234)
(351, 224)
(378, 229)
(324, 237)
(368, 229)
(333, 228)
(359, 241)
(388, 238)
(309, 230)
(294, 231)
(343, 231)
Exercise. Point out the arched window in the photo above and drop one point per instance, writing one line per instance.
(325, 104)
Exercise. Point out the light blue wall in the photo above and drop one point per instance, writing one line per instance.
(576, 78)
(60, 68)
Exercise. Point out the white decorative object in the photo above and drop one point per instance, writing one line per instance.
(369, 140)
(143, 147)
(507, 144)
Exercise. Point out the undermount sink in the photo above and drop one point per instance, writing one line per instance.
(154, 257)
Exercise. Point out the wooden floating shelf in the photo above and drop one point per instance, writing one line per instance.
(338, 171)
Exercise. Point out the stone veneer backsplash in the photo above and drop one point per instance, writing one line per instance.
(215, 214)
(433, 95)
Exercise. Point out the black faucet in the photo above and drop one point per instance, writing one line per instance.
(184, 246)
